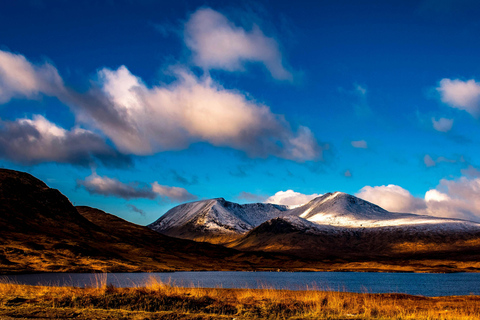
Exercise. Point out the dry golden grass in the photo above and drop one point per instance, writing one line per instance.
(160, 300)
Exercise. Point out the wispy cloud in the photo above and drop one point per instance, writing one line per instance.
(106, 186)
(172, 193)
(250, 197)
(183, 178)
(443, 124)
(459, 94)
(360, 144)
(136, 210)
(37, 140)
(430, 162)
(217, 43)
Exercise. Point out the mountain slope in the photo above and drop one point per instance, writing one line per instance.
(214, 220)
(341, 209)
(41, 231)
(302, 238)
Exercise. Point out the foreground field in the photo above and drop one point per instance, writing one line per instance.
(165, 301)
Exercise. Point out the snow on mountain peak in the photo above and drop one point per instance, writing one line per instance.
(217, 215)
(331, 209)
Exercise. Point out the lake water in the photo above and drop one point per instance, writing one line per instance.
(425, 284)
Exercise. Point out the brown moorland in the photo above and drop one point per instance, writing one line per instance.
(159, 300)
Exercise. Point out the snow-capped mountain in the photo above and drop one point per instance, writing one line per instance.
(220, 217)
(215, 217)
(333, 226)
(341, 209)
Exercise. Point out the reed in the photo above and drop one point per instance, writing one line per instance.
(157, 299)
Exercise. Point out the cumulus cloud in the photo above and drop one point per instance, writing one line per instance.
(173, 193)
(457, 198)
(194, 109)
(141, 120)
(291, 198)
(443, 124)
(463, 95)
(37, 140)
(450, 199)
(392, 198)
(217, 43)
(106, 186)
(361, 144)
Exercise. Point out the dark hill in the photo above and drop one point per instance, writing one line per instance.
(41, 231)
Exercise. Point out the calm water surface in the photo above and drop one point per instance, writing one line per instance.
(410, 283)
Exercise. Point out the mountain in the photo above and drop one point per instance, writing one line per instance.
(215, 220)
(332, 227)
(305, 239)
(41, 231)
(341, 209)
(221, 221)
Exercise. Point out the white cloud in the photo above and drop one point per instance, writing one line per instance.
(291, 198)
(392, 198)
(20, 78)
(37, 140)
(194, 109)
(142, 121)
(106, 186)
(173, 193)
(463, 95)
(443, 124)
(217, 43)
(457, 198)
(362, 144)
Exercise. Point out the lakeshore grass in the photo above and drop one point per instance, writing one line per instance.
(160, 300)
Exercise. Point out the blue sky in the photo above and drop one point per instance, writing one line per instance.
(136, 106)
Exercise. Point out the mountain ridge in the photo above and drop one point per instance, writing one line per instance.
(218, 217)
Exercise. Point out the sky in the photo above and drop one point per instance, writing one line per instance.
(134, 107)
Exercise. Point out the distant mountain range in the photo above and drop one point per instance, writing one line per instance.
(41, 231)
(334, 225)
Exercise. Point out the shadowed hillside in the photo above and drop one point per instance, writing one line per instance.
(43, 232)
